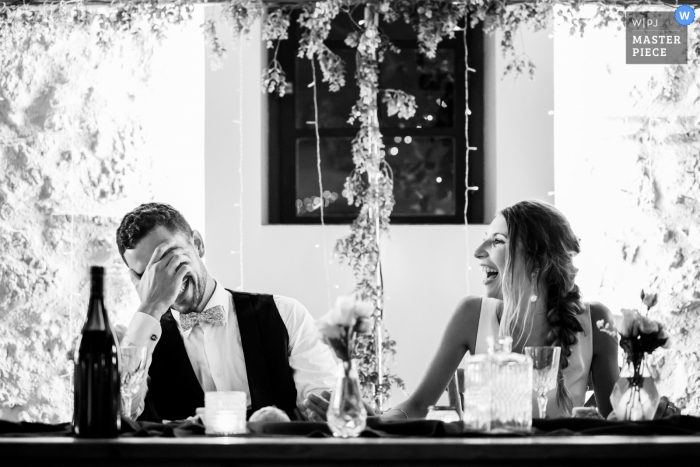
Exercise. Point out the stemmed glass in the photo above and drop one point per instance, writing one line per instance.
(545, 362)
(133, 372)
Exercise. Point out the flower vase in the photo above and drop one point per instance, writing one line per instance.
(635, 396)
(346, 414)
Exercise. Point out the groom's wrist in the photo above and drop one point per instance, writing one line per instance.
(153, 309)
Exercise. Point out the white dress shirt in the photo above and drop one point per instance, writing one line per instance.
(216, 352)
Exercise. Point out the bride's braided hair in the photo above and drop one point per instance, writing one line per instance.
(546, 246)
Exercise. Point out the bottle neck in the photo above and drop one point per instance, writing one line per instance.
(96, 286)
(96, 316)
(97, 319)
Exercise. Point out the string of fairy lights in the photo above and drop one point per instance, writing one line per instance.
(239, 205)
(320, 185)
(240, 163)
(467, 188)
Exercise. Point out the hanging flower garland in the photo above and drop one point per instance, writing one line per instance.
(52, 20)
(370, 186)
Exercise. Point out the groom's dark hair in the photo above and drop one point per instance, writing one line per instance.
(142, 220)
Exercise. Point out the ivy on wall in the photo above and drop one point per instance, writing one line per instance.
(73, 80)
(641, 151)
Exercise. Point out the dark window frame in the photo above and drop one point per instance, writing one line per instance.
(282, 136)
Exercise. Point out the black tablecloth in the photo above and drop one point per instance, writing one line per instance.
(129, 428)
(677, 425)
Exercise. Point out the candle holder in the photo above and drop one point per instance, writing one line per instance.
(225, 413)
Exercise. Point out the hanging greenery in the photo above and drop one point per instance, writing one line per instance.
(55, 54)
(75, 84)
(370, 185)
(374, 197)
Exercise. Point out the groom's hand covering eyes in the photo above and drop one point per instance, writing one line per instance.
(159, 284)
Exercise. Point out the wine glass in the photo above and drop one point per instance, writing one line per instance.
(545, 362)
(133, 372)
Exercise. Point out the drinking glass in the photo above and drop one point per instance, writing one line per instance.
(133, 372)
(545, 363)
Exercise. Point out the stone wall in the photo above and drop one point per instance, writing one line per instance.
(70, 167)
(627, 173)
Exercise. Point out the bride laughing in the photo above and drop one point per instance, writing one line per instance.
(527, 257)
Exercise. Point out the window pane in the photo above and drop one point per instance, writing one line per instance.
(430, 80)
(333, 107)
(399, 30)
(423, 168)
(336, 165)
(342, 25)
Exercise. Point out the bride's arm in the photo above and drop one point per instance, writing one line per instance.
(604, 367)
(453, 346)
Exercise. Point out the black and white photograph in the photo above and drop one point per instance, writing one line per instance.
(349, 232)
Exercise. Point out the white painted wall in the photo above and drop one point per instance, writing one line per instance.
(598, 100)
(174, 121)
(425, 267)
(593, 85)
(519, 126)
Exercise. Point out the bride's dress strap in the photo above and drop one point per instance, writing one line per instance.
(488, 323)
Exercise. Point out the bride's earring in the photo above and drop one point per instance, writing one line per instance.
(534, 297)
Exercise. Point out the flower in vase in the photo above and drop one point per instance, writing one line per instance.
(625, 323)
(348, 310)
(364, 325)
(635, 397)
(329, 330)
(339, 326)
(639, 335)
(649, 299)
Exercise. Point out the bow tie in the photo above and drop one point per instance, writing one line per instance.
(214, 316)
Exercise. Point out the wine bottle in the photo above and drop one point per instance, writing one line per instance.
(96, 377)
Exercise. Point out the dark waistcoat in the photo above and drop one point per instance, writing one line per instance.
(174, 393)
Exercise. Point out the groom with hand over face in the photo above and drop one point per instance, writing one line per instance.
(202, 337)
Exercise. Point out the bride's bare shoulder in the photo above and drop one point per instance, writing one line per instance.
(600, 311)
(466, 320)
(469, 307)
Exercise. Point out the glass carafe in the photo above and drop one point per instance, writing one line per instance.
(498, 388)
(511, 382)
(477, 392)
